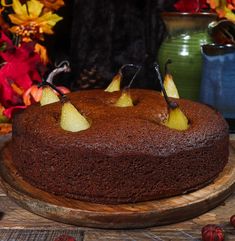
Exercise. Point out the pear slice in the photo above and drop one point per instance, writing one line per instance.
(48, 96)
(177, 120)
(71, 119)
(170, 87)
(115, 84)
(124, 100)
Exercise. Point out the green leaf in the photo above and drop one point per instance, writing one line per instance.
(3, 46)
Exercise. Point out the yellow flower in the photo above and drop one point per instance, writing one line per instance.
(30, 20)
(52, 4)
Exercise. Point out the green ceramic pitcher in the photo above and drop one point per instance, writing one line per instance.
(186, 33)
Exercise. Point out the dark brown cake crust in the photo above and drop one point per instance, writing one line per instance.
(126, 156)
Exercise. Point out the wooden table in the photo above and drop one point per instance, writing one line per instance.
(17, 224)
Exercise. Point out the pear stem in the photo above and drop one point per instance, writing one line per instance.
(171, 104)
(128, 65)
(139, 67)
(64, 66)
(64, 99)
(133, 78)
(169, 61)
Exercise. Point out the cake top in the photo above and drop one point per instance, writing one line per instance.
(134, 128)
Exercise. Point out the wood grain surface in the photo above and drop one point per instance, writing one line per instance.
(21, 225)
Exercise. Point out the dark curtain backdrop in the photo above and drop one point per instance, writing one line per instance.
(99, 36)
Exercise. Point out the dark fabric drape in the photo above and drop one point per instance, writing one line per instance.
(99, 36)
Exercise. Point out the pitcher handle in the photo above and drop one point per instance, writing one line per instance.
(222, 31)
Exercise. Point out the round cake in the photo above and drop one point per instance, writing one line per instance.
(126, 156)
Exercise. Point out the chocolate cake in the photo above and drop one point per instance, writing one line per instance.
(126, 156)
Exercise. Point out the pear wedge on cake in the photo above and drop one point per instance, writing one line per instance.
(125, 99)
(115, 84)
(71, 119)
(176, 118)
(48, 96)
(170, 86)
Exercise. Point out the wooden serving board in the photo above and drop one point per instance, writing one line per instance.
(139, 215)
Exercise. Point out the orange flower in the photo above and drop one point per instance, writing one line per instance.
(213, 3)
(52, 4)
(41, 50)
(224, 8)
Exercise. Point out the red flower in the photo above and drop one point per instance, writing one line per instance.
(191, 6)
(18, 72)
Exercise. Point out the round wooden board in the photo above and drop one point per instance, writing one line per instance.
(139, 215)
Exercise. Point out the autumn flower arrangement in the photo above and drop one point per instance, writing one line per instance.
(23, 57)
(224, 8)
